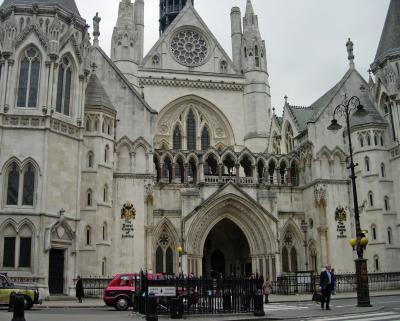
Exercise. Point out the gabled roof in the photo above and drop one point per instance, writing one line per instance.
(68, 5)
(301, 115)
(188, 8)
(390, 38)
(96, 95)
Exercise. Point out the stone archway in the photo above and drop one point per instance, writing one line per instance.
(226, 251)
(257, 226)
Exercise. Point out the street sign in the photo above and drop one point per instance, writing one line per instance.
(162, 291)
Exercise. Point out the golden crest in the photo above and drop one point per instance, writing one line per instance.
(340, 214)
(128, 212)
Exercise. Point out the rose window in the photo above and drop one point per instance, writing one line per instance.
(189, 48)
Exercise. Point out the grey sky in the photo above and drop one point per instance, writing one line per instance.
(305, 38)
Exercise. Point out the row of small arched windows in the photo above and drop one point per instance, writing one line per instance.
(88, 234)
(89, 196)
(375, 234)
(29, 79)
(90, 157)
(106, 126)
(367, 165)
(367, 140)
(371, 201)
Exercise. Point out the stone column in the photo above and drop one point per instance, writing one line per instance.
(4, 83)
(220, 169)
(255, 174)
(9, 98)
(201, 172)
(237, 179)
(185, 172)
(323, 230)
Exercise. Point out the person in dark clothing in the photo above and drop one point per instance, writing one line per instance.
(327, 283)
(79, 289)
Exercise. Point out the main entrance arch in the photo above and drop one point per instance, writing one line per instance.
(226, 251)
(229, 216)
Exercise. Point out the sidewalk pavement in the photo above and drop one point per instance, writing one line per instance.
(273, 298)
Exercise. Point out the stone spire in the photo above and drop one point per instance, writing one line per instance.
(350, 54)
(123, 38)
(249, 8)
(390, 38)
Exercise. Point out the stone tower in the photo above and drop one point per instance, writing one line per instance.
(169, 9)
(128, 37)
(253, 63)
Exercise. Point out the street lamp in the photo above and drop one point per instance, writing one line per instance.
(180, 251)
(304, 227)
(359, 244)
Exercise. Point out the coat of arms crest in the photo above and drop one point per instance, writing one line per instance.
(340, 214)
(128, 212)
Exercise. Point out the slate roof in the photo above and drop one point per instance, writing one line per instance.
(390, 39)
(96, 95)
(68, 5)
(304, 115)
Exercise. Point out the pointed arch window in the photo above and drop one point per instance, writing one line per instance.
(105, 193)
(90, 159)
(367, 167)
(104, 231)
(13, 185)
(371, 199)
(389, 235)
(159, 260)
(164, 254)
(361, 140)
(293, 259)
(88, 236)
(191, 131)
(29, 73)
(383, 171)
(29, 186)
(375, 139)
(106, 153)
(205, 139)
(376, 262)
(368, 140)
(64, 87)
(177, 139)
(374, 234)
(104, 267)
(285, 259)
(88, 125)
(387, 203)
(89, 198)
(289, 139)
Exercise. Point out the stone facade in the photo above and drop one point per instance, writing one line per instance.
(109, 163)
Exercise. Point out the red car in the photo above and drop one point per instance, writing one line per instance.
(119, 292)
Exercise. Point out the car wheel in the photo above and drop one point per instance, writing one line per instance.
(28, 303)
(122, 304)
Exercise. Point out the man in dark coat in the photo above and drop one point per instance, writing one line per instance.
(327, 283)
(79, 289)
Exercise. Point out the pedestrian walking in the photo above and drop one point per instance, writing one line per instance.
(327, 285)
(266, 288)
(79, 289)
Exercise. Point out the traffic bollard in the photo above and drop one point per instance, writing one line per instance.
(176, 308)
(11, 303)
(151, 309)
(19, 308)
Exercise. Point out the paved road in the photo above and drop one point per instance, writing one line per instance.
(384, 309)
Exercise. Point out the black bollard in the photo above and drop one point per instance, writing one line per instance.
(151, 309)
(19, 308)
(11, 302)
(176, 308)
(259, 305)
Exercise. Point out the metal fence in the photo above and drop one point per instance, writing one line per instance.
(200, 296)
(308, 282)
(95, 286)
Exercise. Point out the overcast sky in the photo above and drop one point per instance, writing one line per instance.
(305, 39)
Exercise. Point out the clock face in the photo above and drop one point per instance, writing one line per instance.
(189, 48)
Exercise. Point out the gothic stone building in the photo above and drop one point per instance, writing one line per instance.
(109, 163)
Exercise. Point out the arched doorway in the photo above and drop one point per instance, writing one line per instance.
(226, 251)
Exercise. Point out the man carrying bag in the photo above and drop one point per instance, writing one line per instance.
(327, 285)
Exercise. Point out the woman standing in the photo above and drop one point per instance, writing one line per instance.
(266, 289)
(79, 289)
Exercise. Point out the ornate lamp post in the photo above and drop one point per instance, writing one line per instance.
(359, 244)
(180, 251)
(304, 228)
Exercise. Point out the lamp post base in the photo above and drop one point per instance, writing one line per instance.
(362, 283)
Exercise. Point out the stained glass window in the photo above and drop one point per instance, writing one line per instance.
(191, 131)
(29, 186)
(29, 74)
(205, 139)
(177, 140)
(13, 186)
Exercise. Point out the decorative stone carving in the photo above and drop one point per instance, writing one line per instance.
(128, 212)
(148, 191)
(320, 195)
(189, 48)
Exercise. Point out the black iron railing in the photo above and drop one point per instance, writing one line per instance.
(95, 286)
(200, 296)
(308, 282)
